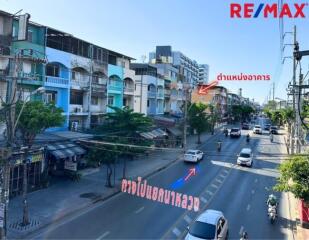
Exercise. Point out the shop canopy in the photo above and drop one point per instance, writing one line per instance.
(65, 150)
(153, 134)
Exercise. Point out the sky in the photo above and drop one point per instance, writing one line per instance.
(201, 29)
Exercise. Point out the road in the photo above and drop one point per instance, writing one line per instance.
(239, 192)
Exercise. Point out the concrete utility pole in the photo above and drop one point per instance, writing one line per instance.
(185, 121)
(273, 91)
(294, 83)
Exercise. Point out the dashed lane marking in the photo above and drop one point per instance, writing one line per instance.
(222, 176)
(214, 185)
(209, 192)
(176, 232)
(204, 200)
(248, 207)
(139, 210)
(103, 235)
(218, 180)
(187, 219)
(241, 230)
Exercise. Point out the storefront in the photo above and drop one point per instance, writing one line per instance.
(35, 170)
(64, 158)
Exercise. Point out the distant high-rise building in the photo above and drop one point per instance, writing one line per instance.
(203, 76)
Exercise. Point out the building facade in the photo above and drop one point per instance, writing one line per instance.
(203, 76)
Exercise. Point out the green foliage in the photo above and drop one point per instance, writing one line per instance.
(288, 115)
(295, 177)
(277, 117)
(241, 112)
(36, 117)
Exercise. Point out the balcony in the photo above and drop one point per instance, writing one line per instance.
(152, 94)
(56, 82)
(30, 78)
(160, 94)
(128, 90)
(79, 84)
(97, 87)
(167, 92)
(167, 84)
(115, 86)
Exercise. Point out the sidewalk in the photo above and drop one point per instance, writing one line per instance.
(66, 197)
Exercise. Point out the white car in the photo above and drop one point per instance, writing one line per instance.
(235, 132)
(211, 224)
(257, 129)
(193, 156)
(245, 157)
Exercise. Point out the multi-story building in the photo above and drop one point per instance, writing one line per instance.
(83, 78)
(203, 76)
(149, 89)
(216, 96)
(6, 22)
(187, 67)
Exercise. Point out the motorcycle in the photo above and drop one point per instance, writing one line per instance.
(248, 139)
(244, 235)
(219, 144)
(226, 132)
(271, 138)
(272, 212)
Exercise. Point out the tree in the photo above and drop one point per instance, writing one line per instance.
(276, 117)
(123, 125)
(241, 112)
(295, 177)
(35, 118)
(197, 117)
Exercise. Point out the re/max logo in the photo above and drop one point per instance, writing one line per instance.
(248, 10)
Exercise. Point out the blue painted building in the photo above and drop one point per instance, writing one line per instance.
(114, 87)
(57, 81)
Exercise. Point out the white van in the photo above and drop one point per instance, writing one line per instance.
(245, 157)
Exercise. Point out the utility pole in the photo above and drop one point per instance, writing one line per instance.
(185, 121)
(293, 89)
(273, 91)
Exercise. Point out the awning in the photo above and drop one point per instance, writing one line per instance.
(153, 134)
(175, 131)
(65, 150)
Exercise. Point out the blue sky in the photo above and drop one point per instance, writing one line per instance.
(201, 29)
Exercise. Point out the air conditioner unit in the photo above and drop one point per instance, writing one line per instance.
(79, 109)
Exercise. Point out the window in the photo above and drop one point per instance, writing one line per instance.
(76, 98)
(73, 75)
(110, 100)
(52, 70)
(51, 96)
(94, 100)
(147, 103)
(30, 33)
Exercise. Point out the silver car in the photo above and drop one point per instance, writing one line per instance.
(211, 224)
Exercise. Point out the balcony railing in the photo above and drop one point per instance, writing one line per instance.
(115, 85)
(152, 94)
(96, 87)
(167, 84)
(160, 94)
(30, 78)
(50, 80)
(77, 83)
(128, 90)
(167, 92)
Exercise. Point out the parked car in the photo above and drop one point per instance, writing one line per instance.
(245, 126)
(267, 127)
(245, 157)
(211, 224)
(274, 130)
(193, 156)
(235, 132)
(257, 129)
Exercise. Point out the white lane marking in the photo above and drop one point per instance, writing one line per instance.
(214, 186)
(256, 180)
(103, 235)
(226, 171)
(218, 180)
(187, 219)
(139, 210)
(204, 200)
(241, 230)
(252, 191)
(209, 192)
(248, 207)
(223, 176)
(176, 232)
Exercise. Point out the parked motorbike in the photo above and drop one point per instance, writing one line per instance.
(248, 138)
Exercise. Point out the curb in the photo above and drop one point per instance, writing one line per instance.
(102, 199)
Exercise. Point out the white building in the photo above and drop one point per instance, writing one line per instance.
(203, 75)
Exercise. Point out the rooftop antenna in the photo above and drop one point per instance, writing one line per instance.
(143, 57)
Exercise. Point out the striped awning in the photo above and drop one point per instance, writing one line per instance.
(153, 134)
(65, 150)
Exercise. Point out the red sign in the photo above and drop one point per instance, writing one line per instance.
(204, 88)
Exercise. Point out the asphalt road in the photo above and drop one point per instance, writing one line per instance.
(239, 192)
